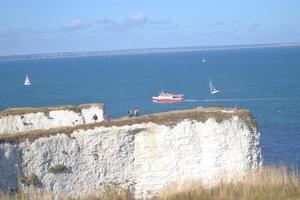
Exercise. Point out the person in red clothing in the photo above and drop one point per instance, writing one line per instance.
(136, 111)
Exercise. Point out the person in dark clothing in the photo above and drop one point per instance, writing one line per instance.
(95, 117)
(106, 116)
(130, 113)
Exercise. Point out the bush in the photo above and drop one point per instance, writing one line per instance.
(32, 179)
(58, 168)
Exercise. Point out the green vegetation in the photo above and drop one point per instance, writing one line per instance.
(166, 118)
(58, 168)
(32, 179)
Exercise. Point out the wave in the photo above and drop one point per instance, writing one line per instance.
(242, 99)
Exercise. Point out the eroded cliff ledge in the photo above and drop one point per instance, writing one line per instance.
(25, 119)
(144, 154)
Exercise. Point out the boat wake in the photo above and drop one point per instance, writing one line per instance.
(241, 99)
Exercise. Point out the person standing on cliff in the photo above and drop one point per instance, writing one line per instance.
(106, 116)
(130, 113)
(95, 118)
(136, 112)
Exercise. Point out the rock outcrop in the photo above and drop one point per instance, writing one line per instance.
(143, 154)
(27, 119)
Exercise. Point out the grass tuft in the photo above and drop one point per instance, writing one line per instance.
(32, 179)
(112, 191)
(56, 169)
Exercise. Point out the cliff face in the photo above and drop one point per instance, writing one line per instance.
(143, 154)
(9, 164)
(27, 119)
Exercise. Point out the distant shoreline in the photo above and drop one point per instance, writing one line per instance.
(140, 51)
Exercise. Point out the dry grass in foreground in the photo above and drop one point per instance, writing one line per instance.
(22, 196)
(271, 183)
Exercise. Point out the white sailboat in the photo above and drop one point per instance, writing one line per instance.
(203, 60)
(27, 81)
(212, 89)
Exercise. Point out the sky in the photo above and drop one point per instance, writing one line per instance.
(49, 26)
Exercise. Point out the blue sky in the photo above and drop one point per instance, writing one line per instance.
(41, 26)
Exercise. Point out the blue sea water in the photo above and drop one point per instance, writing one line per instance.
(264, 80)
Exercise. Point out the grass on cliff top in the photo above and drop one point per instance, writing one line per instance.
(166, 118)
(46, 110)
(271, 183)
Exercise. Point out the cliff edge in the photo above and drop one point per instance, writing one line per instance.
(26, 119)
(143, 154)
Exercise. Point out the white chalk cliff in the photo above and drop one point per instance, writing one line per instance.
(27, 119)
(143, 154)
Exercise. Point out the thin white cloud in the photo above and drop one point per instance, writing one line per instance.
(75, 24)
(136, 21)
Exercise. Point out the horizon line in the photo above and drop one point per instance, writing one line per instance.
(63, 54)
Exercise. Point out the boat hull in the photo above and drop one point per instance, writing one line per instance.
(161, 100)
(215, 92)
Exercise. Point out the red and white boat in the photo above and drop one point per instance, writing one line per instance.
(165, 97)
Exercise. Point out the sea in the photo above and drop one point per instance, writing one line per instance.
(264, 80)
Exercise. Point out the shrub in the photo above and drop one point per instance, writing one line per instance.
(32, 179)
(58, 168)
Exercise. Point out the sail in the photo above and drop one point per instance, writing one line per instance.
(212, 89)
(27, 81)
